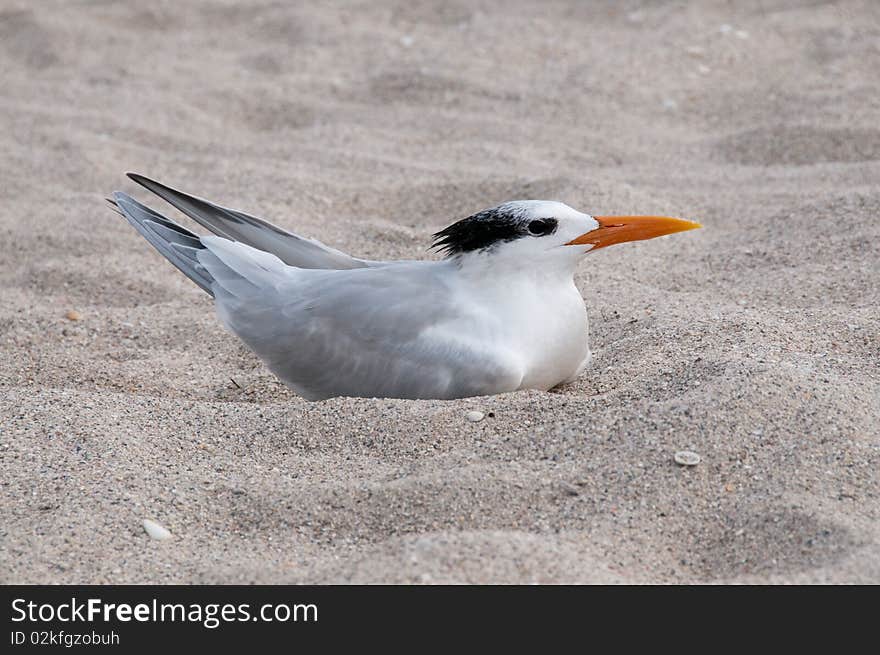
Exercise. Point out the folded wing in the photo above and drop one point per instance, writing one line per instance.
(387, 332)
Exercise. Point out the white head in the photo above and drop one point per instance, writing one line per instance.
(527, 233)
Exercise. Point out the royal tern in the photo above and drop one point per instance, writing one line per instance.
(499, 313)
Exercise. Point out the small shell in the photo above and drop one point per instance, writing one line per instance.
(73, 315)
(156, 531)
(686, 458)
(475, 416)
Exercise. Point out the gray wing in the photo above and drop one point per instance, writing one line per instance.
(234, 225)
(380, 332)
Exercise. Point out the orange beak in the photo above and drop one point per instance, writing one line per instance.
(618, 229)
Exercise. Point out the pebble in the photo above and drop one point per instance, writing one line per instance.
(570, 489)
(73, 315)
(475, 416)
(156, 531)
(686, 458)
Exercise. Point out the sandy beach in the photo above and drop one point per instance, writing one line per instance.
(754, 342)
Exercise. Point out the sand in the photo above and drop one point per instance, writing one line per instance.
(753, 342)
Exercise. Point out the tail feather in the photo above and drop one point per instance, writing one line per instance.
(173, 236)
(114, 206)
(212, 262)
(167, 237)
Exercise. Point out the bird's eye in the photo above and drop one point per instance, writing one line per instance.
(542, 226)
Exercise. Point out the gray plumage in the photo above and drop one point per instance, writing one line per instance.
(234, 225)
(326, 323)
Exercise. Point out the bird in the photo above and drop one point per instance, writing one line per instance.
(499, 312)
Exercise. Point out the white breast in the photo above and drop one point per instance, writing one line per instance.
(555, 342)
(541, 321)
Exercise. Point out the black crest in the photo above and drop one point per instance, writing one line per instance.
(490, 227)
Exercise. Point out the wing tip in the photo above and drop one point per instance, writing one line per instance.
(152, 185)
(164, 191)
(143, 180)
